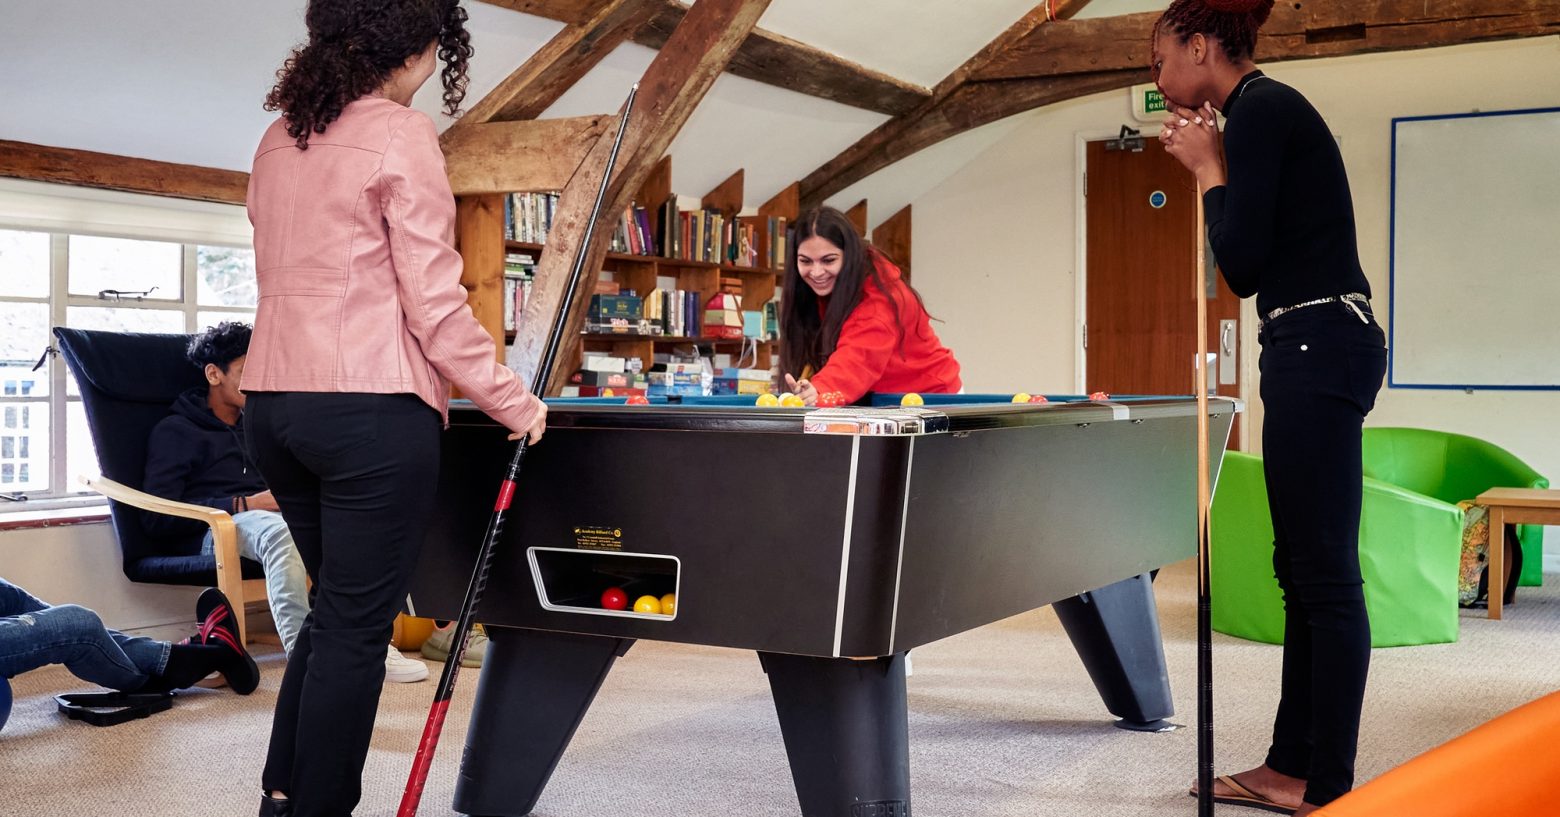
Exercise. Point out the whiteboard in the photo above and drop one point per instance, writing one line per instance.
(1475, 256)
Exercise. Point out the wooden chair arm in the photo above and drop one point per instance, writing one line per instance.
(224, 535)
(145, 501)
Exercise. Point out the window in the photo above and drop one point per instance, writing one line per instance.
(51, 278)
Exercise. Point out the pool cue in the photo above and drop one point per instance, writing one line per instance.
(506, 492)
(1204, 606)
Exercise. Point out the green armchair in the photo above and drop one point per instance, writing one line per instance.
(1453, 467)
(1410, 549)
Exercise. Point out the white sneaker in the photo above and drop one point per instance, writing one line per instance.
(402, 670)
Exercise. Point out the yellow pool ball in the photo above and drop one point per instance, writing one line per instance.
(791, 400)
(669, 604)
(767, 400)
(912, 399)
(647, 604)
(1021, 397)
(608, 393)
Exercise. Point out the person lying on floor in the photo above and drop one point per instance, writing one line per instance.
(36, 634)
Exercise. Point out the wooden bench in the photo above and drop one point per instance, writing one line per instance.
(1513, 506)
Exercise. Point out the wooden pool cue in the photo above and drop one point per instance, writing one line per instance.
(1204, 607)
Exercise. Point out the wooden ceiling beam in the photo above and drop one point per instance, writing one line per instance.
(556, 66)
(1062, 60)
(1312, 31)
(795, 66)
(678, 78)
(972, 105)
(567, 11)
(84, 168)
(763, 56)
(818, 185)
(536, 155)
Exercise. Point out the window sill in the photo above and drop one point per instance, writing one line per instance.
(76, 514)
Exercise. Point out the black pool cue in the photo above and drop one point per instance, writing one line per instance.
(1204, 593)
(506, 492)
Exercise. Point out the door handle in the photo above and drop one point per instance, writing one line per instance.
(1227, 360)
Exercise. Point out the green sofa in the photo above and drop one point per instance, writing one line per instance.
(1410, 535)
(1410, 548)
(1453, 467)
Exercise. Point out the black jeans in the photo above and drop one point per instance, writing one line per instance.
(1321, 369)
(354, 475)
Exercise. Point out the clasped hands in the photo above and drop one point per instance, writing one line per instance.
(1192, 137)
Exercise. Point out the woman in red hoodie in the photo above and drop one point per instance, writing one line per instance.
(851, 325)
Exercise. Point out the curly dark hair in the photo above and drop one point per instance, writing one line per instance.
(354, 46)
(220, 345)
(1233, 22)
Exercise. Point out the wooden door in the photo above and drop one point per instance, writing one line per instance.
(1141, 317)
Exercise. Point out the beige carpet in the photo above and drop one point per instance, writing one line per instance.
(1003, 721)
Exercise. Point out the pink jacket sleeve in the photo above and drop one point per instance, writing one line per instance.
(420, 215)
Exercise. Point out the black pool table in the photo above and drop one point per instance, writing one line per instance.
(830, 541)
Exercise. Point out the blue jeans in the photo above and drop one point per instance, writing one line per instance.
(34, 634)
(263, 537)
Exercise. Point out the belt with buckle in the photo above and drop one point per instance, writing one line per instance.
(1350, 300)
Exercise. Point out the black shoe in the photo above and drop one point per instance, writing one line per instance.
(219, 627)
(272, 807)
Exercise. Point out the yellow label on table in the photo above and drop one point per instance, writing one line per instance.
(597, 537)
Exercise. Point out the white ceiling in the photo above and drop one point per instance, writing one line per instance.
(184, 82)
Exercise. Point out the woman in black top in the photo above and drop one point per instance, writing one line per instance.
(1281, 223)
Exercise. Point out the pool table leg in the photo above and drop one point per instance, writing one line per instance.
(846, 733)
(1115, 630)
(535, 688)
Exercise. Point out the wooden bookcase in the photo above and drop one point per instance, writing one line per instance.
(479, 222)
(480, 235)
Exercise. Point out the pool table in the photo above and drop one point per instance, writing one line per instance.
(829, 541)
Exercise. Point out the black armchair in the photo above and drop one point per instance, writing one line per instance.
(128, 381)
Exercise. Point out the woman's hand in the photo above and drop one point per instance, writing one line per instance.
(1192, 137)
(538, 424)
(803, 389)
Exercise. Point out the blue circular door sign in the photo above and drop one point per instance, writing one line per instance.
(1156, 199)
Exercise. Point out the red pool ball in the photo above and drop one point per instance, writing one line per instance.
(637, 400)
(613, 598)
(1038, 398)
(1099, 395)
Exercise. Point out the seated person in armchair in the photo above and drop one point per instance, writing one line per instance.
(198, 454)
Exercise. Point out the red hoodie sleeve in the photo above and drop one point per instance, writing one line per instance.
(861, 356)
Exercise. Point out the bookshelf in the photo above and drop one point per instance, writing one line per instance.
(755, 285)
(480, 231)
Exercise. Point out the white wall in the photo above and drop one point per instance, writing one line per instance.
(995, 242)
(79, 564)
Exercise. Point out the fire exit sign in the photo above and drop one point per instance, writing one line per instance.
(1148, 105)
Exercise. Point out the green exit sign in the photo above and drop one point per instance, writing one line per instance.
(1154, 102)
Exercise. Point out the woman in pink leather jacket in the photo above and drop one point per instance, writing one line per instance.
(361, 330)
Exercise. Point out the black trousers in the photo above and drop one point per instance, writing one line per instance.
(1321, 369)
(354, 475)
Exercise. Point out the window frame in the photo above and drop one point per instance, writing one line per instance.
(61, 211)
